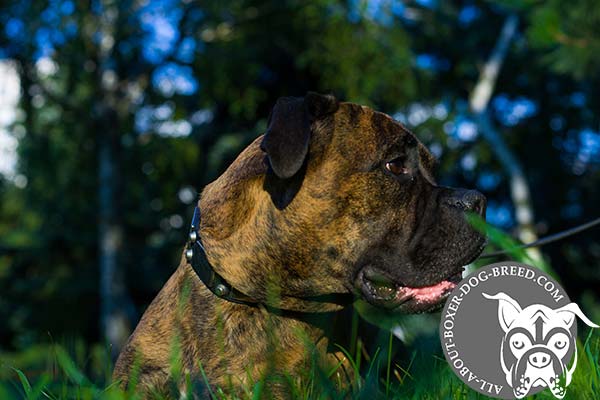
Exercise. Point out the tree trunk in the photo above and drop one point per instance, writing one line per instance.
(116, 306)
(114, 301)
(480, 97)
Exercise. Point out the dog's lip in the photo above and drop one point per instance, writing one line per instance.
(539, 380)
(382, 291)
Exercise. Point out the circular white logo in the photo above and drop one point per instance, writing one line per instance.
(508, 330)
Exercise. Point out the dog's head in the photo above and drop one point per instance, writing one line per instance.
(537, 345)
(338, 198)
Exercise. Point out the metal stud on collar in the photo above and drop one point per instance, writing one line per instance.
(193, 236)
(221, 290)
(195, 255)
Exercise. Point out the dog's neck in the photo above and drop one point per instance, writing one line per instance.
(305, 307)
(282, 340)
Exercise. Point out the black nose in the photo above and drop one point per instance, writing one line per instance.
(467, 200)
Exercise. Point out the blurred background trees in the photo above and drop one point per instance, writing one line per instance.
(124, 110)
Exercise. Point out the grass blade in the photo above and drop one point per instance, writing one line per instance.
(24, 382)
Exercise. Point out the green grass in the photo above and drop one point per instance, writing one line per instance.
(425, 375)
(72, 371)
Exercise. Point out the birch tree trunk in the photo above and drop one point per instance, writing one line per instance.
(478, 102)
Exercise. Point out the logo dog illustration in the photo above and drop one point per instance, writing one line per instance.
(537, 345)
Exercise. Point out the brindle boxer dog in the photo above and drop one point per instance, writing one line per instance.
(334, 200)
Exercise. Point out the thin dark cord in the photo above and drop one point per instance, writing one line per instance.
(547, 239)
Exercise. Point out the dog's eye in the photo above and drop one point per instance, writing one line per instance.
(559, 341)
(396, 166)
(517, 344)
(560, 344)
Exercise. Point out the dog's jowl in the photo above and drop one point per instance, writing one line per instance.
(335, 201)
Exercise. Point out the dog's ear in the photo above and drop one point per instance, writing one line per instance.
(508, 309)
(288, 133)
(568, 313)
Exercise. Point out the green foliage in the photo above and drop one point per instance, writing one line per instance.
(565, 32)
(248, 53)
(569, 33)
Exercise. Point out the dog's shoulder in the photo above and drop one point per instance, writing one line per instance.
(147, 352)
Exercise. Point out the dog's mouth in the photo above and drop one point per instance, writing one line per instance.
(383, 292)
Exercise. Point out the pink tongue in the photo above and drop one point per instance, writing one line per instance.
(429, 293)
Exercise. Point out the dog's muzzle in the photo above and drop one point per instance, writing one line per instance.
(539, 366)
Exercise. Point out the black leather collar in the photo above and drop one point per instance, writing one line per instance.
(196, 256)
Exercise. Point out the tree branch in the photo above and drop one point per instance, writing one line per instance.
(478, 102)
